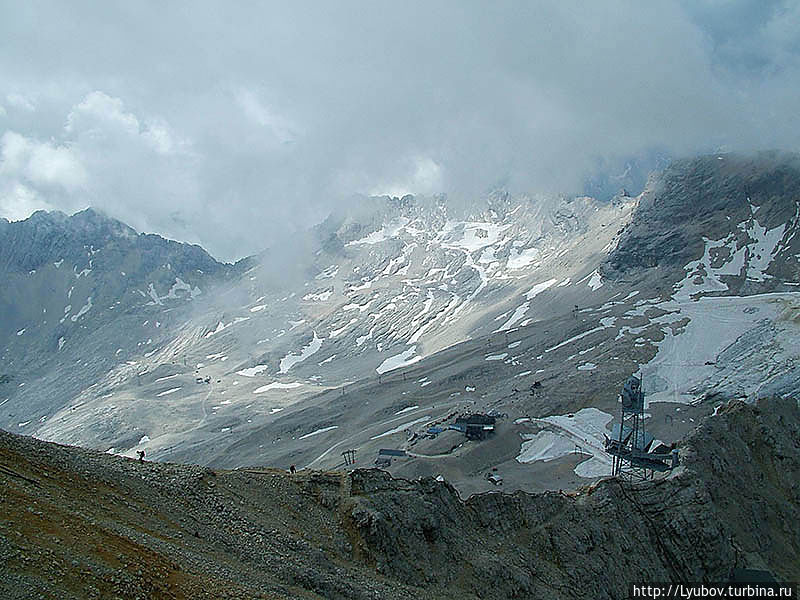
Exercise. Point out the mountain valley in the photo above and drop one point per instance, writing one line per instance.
(397, 315)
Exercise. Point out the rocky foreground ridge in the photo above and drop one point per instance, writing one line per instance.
(82, 524)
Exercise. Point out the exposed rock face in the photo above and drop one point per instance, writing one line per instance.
(707, 198)
(51, 236)
(76, 291)
(80, 524)
(734, 503)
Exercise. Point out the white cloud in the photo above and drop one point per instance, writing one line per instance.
(38, 163)
(18, 201)
(160, 138)
(140, 171)
(424, 176)
(135, 169)
(99, 113)
(55, 165)
(100, 119)
(17, 100)
(235, 131)
(255, 110)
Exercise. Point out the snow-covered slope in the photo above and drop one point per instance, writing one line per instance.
(418, 278)
(395, 313)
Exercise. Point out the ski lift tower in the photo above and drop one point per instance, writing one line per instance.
(630, 444)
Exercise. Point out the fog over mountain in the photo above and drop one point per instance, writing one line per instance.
(369, 299)
(431, 381)
(236, 127)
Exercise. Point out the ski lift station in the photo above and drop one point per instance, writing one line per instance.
(630, 445)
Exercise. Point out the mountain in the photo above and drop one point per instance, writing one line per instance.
(736, 212)
(82, 295)
(398, 314)
(385, 284)
(157, 530)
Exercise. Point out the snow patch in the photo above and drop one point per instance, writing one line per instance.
(539, 288)
(581, 432)
(574, 339)
(318, 431)
(253, 371)
(276, 385)
(320, 297)
(544, 446)
(520, 260)
(388, 231)
(288, 361)
(595, 281)
(519, 313)
(169, 391)
(400, 428)
(84, 309)
(397, 361)
(222, 326)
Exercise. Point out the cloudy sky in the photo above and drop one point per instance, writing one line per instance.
(233, 124)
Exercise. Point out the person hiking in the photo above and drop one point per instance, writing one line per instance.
(141, 455)
(292, 469)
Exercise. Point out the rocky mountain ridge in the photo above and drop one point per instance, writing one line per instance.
(397, 286)
(403, 312)
(736, 199)
(74, 288)
(82, 524)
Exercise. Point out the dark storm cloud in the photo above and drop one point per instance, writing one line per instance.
(231, 124)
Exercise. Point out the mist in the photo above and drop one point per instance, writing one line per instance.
(238, 126)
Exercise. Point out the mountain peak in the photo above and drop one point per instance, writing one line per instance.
(92, 219)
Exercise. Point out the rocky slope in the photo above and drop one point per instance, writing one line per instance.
(376, 288)
(395, 314)
(709, 313)
(82, 295)
(81, 524)
(739, 213)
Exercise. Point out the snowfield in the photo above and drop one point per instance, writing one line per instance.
(581, 432)
(397, 361)
(288, 361)
(688, 359)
